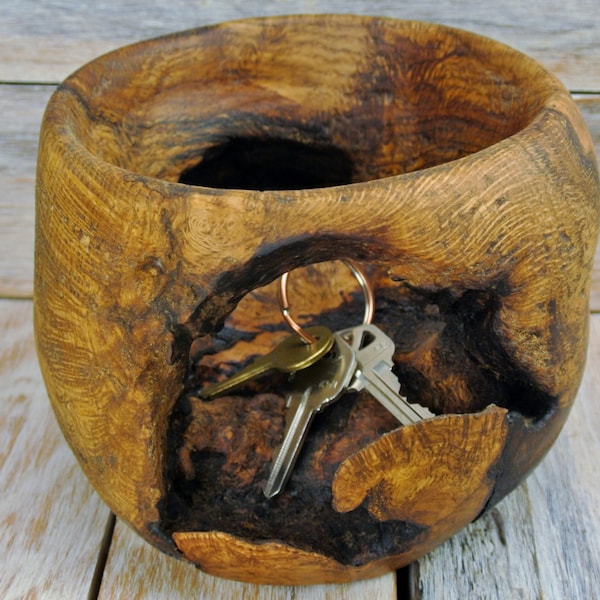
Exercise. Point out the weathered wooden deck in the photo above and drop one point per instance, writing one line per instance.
(60, 540)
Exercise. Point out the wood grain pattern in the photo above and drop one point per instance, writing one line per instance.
(51, 520)
(497, 174)
(534, 544)
(47, 41)
(381, 472)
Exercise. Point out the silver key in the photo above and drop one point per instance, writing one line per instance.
(374, 351)
(312, 389)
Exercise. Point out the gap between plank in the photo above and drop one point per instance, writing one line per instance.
(411, 582)
(591, 92)
(584, 92)
(29, 83)
(403, 587)
(102, 557)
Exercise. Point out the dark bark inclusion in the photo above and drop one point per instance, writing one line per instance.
(220, 452)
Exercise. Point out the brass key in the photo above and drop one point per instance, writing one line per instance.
(291, 355)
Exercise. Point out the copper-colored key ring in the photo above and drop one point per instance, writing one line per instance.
(284, 304)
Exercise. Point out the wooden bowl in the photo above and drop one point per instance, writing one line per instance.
(180, 177)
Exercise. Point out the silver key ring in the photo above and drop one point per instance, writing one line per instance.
(284, 304)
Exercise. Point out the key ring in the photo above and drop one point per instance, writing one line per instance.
(284, 304)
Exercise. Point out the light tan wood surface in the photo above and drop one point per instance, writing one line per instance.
(542, 541)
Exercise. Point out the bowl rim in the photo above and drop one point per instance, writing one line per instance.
(554, 99)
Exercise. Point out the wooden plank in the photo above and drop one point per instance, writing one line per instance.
(52, 522)
(543, 540)
(44, 41)
(590, 108)
(135, 570)
(21, 109)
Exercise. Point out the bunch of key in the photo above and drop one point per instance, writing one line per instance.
(358, 358)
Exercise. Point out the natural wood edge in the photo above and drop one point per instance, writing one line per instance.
(137, 571)
(225, 555)
(469, 445)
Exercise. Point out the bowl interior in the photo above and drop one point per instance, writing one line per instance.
(304, 103)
